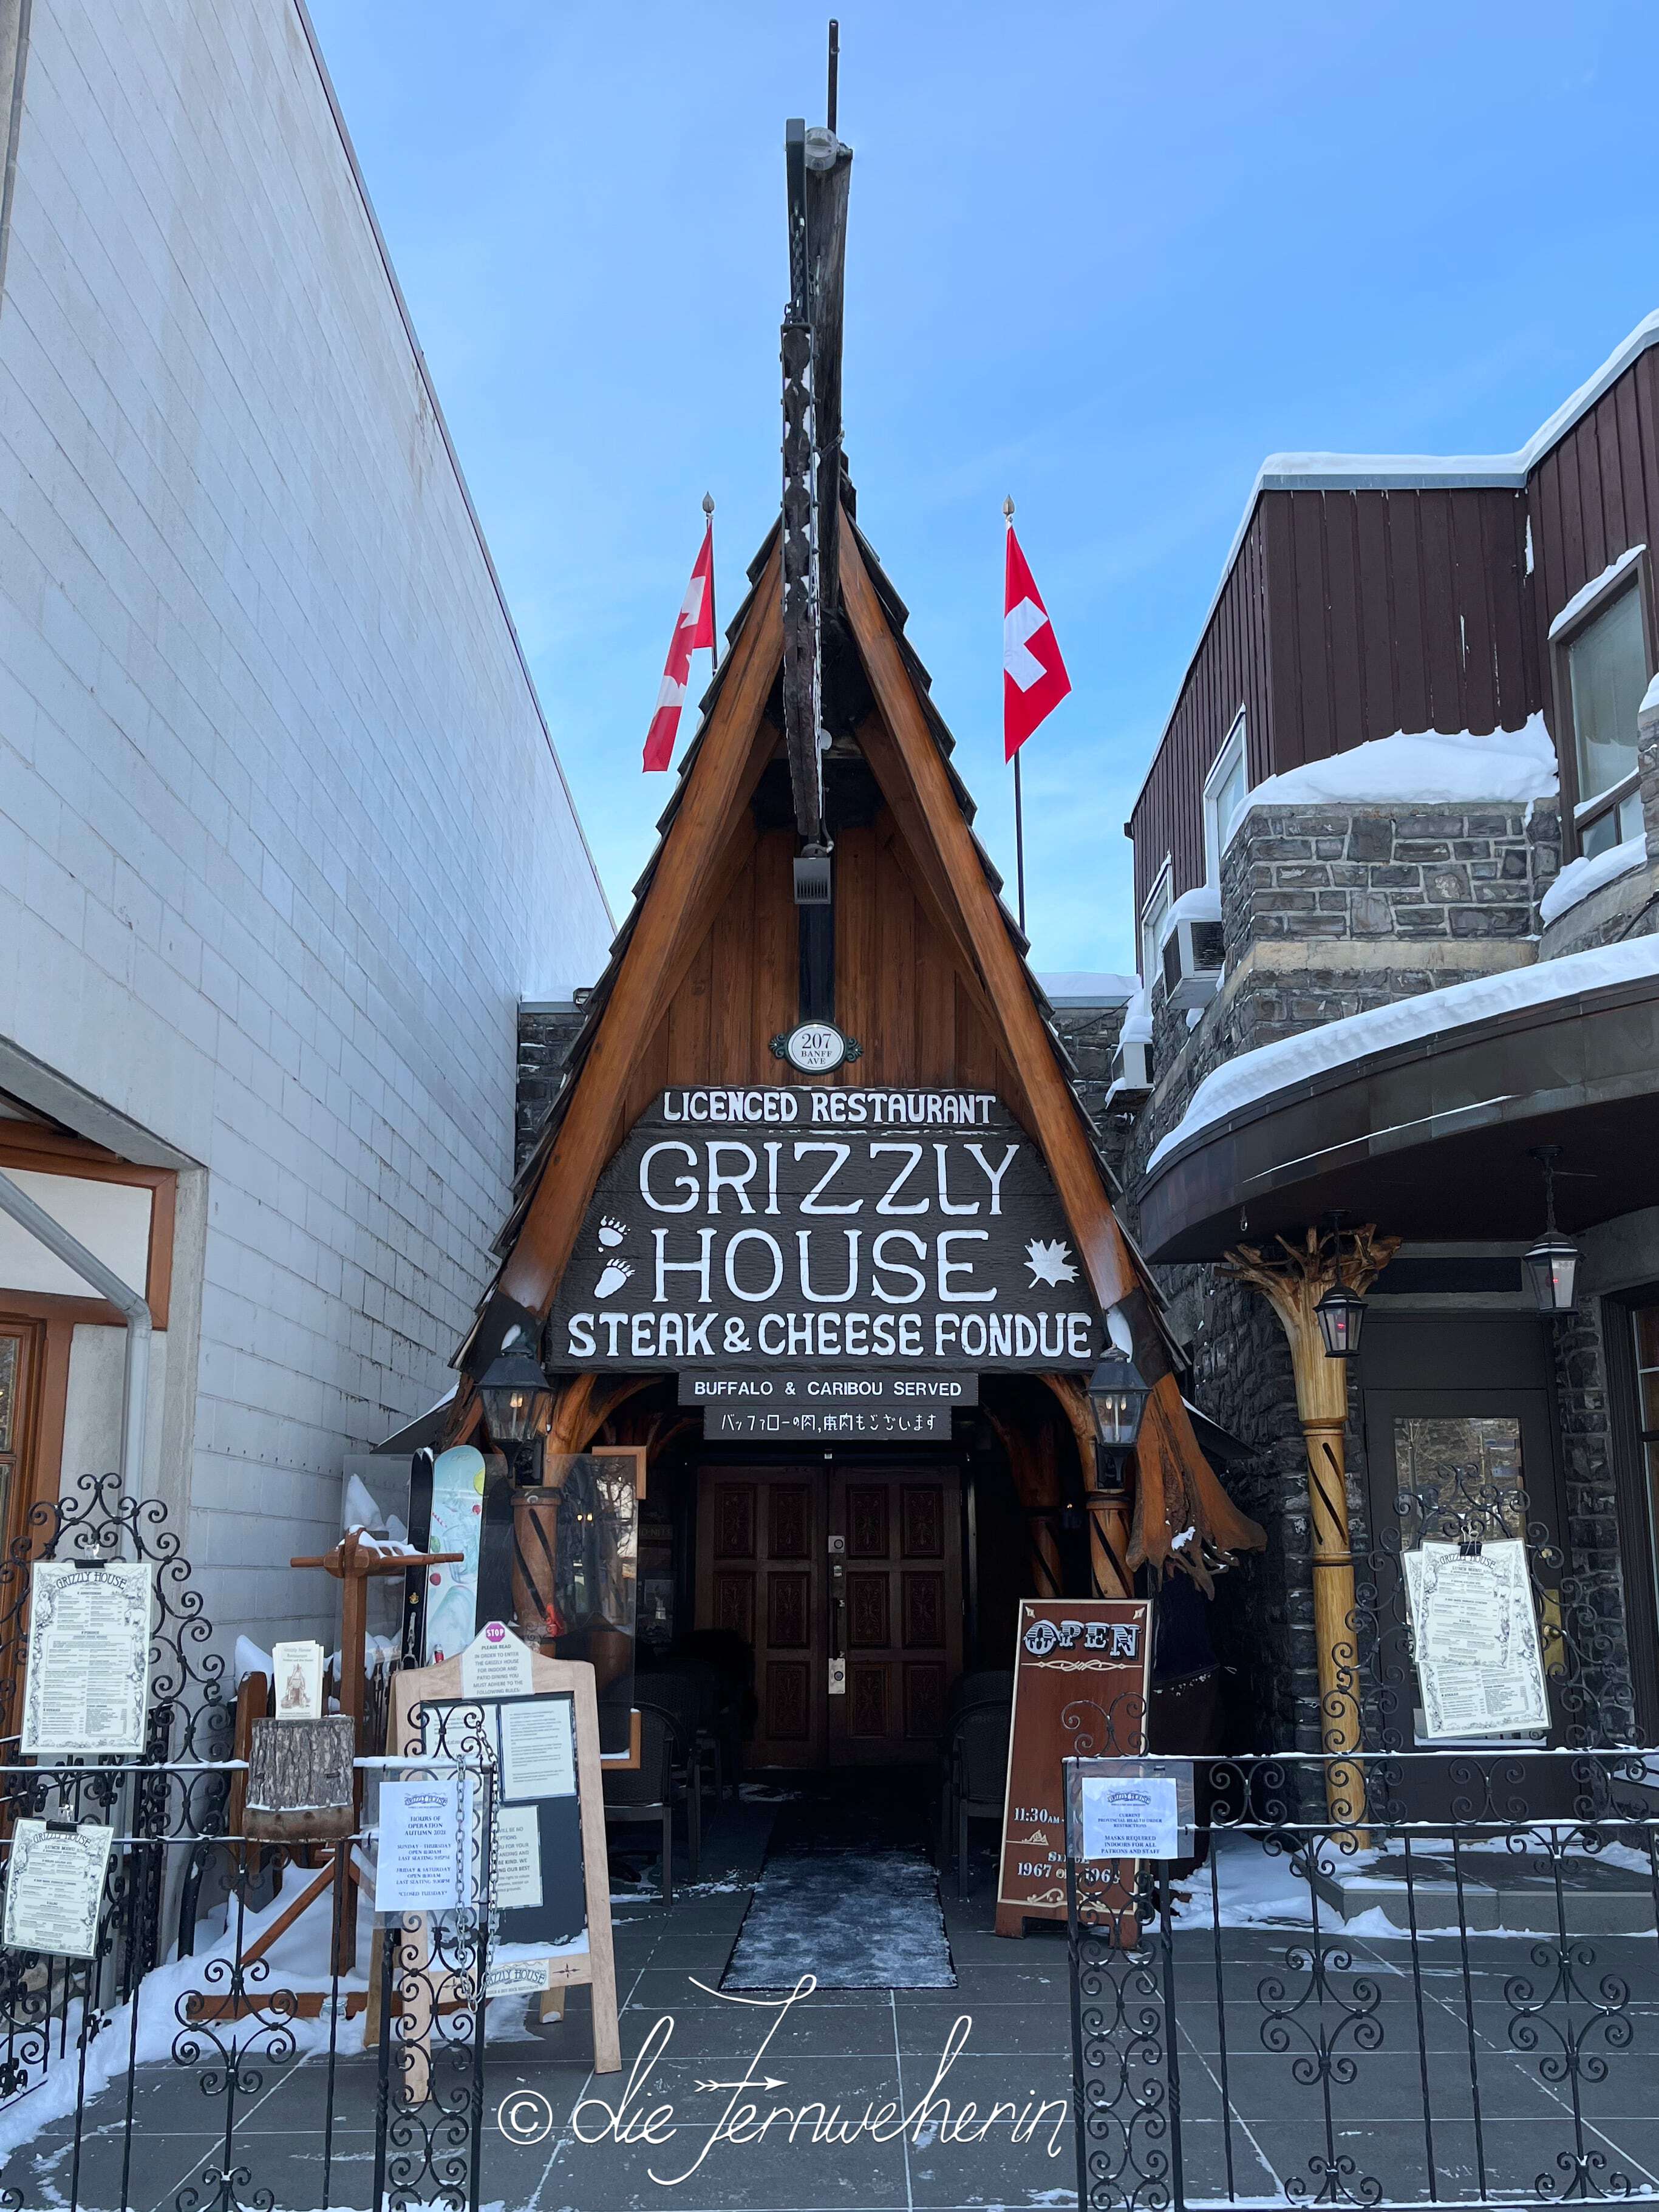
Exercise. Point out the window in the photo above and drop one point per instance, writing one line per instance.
(1153, 915)
(1225, 788)
(1601, 672)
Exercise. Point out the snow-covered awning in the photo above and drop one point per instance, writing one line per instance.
(1297, 1117)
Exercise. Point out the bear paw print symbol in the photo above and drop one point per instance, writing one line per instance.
(615, 1273)
(612, 1231)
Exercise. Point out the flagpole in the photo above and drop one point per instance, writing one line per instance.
(714, 627)
(1019, 810)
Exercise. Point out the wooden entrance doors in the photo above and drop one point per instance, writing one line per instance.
(816, 1563)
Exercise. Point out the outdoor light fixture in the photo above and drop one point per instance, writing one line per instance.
(1552, 1262)
(1117, 1399)
(514, 1394)
(1341, 1312)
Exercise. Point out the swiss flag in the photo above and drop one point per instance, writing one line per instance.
(1034, 678)
(694, 629)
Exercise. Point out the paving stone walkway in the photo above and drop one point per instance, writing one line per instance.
(838, 2070)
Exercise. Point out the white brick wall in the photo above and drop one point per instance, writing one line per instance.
(281, 841)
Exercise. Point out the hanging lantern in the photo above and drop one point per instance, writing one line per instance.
(1341, 1316)
(1552, 1262)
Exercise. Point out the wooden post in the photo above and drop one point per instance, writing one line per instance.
(1108, 1510)
(1294, 1281)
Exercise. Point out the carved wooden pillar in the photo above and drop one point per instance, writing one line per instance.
(1294, 1281)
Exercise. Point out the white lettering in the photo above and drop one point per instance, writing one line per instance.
(804, 1243)
(948, 1267)
(752, 1237)
(878, 1259)
(581, 1335)
(842, 1153)
(681, 1182)
(718, 1180)
(887, 1203)
(993, 1175)
(699, 1267)
(945, 1204)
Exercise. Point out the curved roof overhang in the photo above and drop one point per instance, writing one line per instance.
(1430, 1139)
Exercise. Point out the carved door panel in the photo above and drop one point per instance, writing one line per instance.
(899, 1613)
(760, 1575)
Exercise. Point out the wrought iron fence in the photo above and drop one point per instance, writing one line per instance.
(1451, 1998)
(168, 2067)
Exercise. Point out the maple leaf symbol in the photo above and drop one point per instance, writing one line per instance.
(1050, 1263)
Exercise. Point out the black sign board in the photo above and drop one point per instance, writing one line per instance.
(870, 1387)
(811, 1227)
(753, 1420)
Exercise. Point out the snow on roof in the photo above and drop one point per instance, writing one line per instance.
(1582, 598)
(1082, 988)
(1588, 872)
(1137, 1019)
(1424, 766)
(1295, 1060)
(1385, 471)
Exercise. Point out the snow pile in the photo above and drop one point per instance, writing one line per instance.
(1202, 903)
(1582, 598)
(1425, 768)
(1588, 872)
(1293, 1060)
(1137, 1020)
(1651, 698)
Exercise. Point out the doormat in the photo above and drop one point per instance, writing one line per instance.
(856, 1921)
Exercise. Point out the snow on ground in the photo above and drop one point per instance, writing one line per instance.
(1588, 872)
(1274, 1067)
(1425, 768)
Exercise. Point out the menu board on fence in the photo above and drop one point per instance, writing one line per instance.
(1474, 1636)
(55, 1887)
(1081, 1675)
(86, 1691)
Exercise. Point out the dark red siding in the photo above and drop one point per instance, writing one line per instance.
(1230, 671)
(1347, 615)
(1592, 497)
(1396, 609)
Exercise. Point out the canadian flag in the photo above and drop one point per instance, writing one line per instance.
(1034, 678)
(694, 629)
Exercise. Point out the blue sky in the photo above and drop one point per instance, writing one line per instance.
(1102, 258)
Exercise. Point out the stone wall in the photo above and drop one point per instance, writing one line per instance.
(1379, 872)
(1594, 1607)
(1327, 912)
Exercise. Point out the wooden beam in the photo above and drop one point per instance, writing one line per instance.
(1059, 1128)
(530, 1271)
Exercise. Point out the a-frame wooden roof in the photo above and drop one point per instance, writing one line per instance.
(703, 850)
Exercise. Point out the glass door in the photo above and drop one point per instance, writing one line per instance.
(1463, 1495)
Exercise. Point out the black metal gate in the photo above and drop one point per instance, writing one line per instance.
(193, 2062)
(1395, 2009)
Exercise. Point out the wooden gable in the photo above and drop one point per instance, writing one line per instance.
(931, 981)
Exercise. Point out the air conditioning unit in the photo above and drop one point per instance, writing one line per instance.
(1193, 958)
(1132, 1066)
